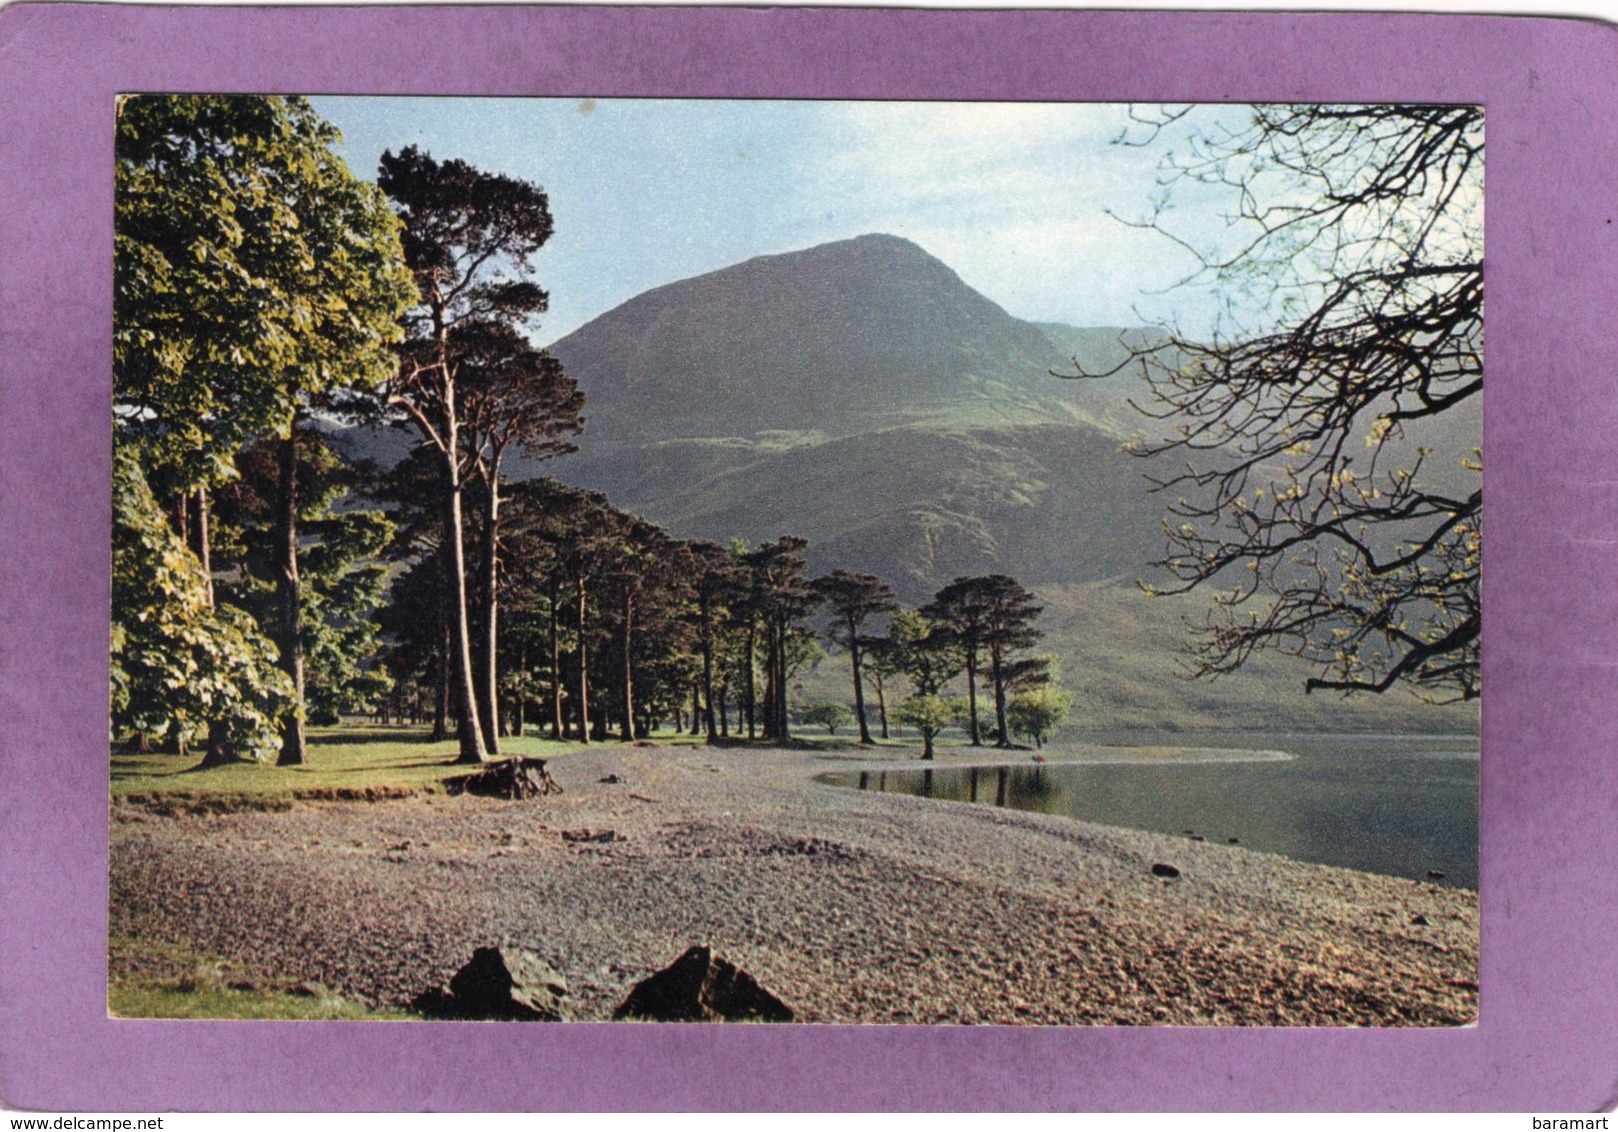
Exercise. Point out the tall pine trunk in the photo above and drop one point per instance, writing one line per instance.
(442, 692)
(881, 702)
(467, 727)
(1002, 740)
(972, 693)
(289, 635)
(769, 726)
(556, 658)
(488, 675)
(582, 708)
(751, 703)
(626, 726)
(708, 721)
(859, 685)
(520, 701)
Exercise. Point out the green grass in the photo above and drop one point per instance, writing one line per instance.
(355, 758)
(339, 758)
(151, 979)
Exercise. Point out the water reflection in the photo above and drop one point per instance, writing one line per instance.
(1386, 805)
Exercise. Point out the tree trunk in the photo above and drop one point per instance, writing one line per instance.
(556, 659)
(204, 550)
(1002, 740)
(519, 702)
(770, 731)
(489, 638)
(289, 636)
(442, 699)
(972, 693)
(218, 752)
(467, 728)
(582, 709)
(752, 680)
(881, 703)
(859, 685)
(708, 720)
(626, 727)
(782, 729)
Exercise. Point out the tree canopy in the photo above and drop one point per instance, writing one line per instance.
(250, 268)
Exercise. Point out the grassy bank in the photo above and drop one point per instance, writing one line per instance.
(150, 979)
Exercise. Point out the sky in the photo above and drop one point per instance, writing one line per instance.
(1014, 196)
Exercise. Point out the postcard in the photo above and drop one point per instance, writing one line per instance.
(926, 558)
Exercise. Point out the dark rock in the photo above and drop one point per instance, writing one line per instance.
(701, 987)
(577, 836)
(510, 982)
(1419, 920)
(512, 779)
(614, 780)
(435, 1002)
(1198, 837)
(1436, 874)
(1162, 870)
(1233, 841)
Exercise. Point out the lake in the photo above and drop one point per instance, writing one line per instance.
(1403, 805)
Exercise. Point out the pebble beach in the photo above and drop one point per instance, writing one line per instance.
(851, 907)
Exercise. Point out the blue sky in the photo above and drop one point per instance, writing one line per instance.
(1014, 197)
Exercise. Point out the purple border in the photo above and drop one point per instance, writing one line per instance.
(1547, 1038)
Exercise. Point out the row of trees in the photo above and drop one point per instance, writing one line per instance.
(610, 627)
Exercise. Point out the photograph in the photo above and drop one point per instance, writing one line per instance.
(795, 560)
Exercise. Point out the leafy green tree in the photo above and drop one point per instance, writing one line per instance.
(1328, 483)
(854, 599)
(253, 275)
(828, 714)
(341, 580)
(929, 714)
(178, 662)
(930, 657)
(1037, 713)
(469, 239)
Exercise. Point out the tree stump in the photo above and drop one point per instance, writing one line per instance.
(512, 779)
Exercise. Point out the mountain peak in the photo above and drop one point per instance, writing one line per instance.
(827, 337)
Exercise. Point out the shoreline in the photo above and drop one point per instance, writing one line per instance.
(852, 906)
(1098, 754)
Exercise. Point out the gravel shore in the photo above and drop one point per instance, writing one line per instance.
(850, 906)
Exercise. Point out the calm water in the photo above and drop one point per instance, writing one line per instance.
(1400, 805)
